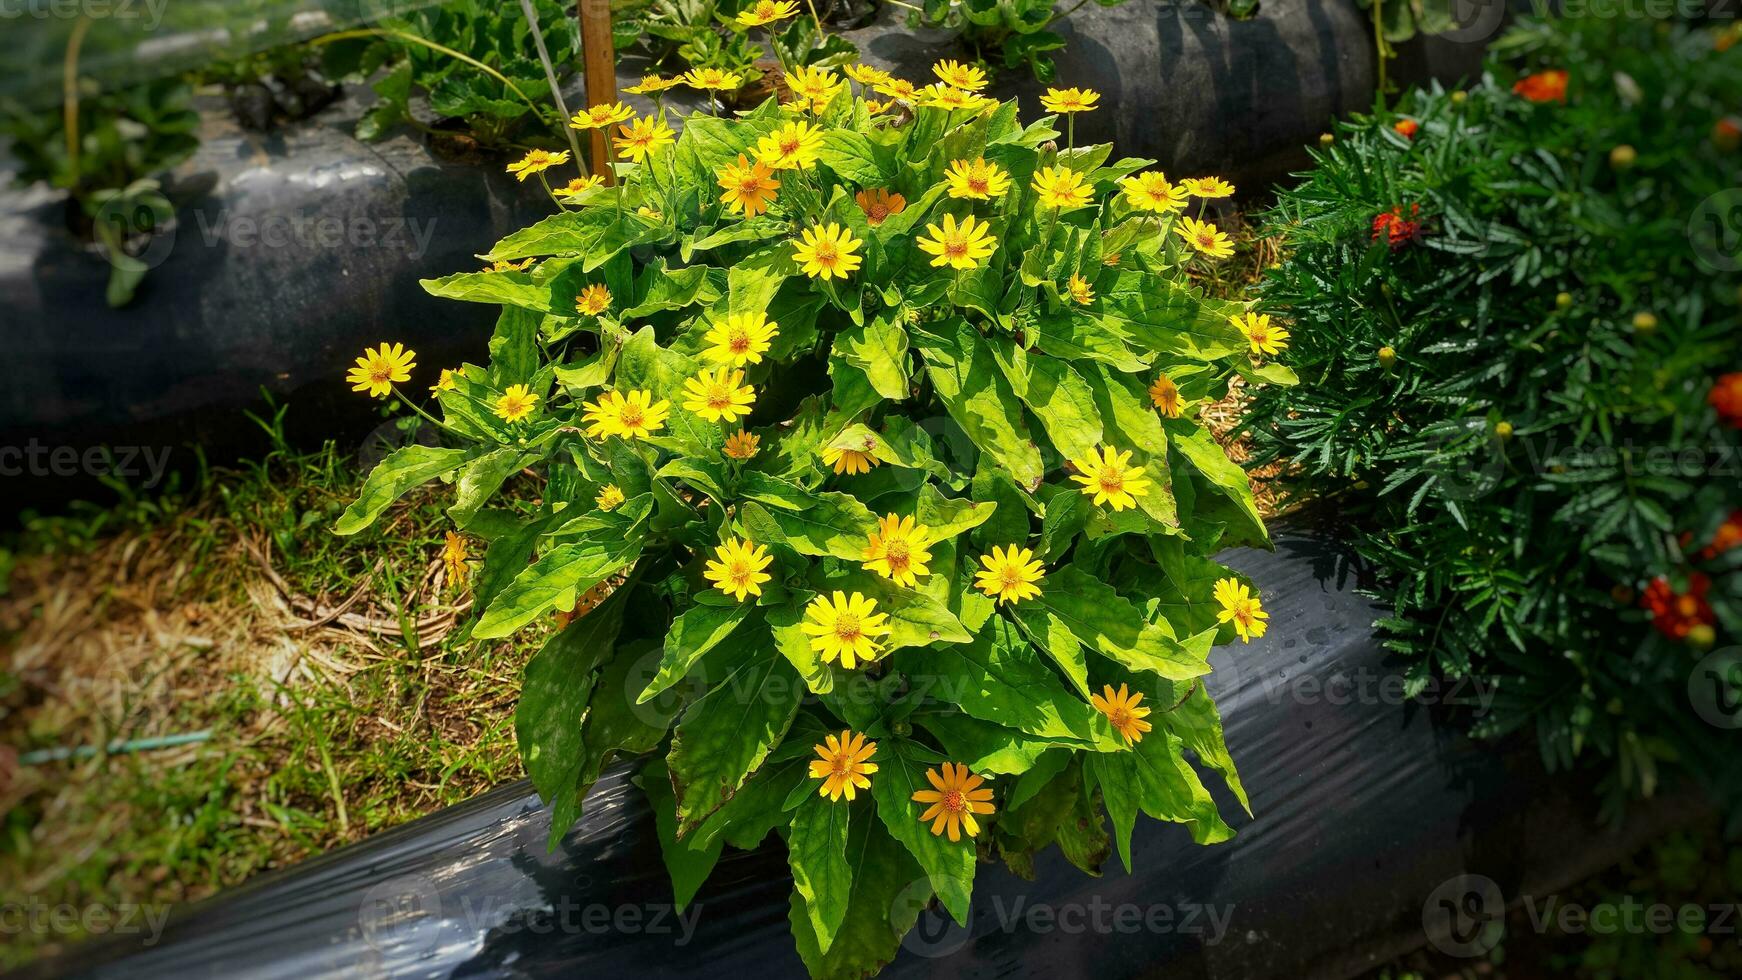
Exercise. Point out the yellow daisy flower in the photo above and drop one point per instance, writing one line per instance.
(843, 765)
(594, 300)
(537, 161)
(827, 252)
(507, 266)
(1109, 478)
(454, 559)
(645, 136)
(766, 12)
(1123, 711)
(866, 75)
(964, 246)
(602, 116)
(941, 96)
(378, 370)
(845, 629)
(653, 85)
(609, 498)
(956, 795)
(849, 461)
(897, 88)
(1069, 100)
(580, 185)
(817, 86)
(748, 186)
(1061, 187)
(1080, 291)
(894, 550)
(1208, 187)
(793, 145)
(878, 204)
(719, 394)
(737, 568)
(712, 79)
(443, 383)
(976, 179)
(1165, 394)
(1009, 574)
(1242, 608)
(516, 403)
(1265, 338)
(874, 107)
(966, 77)
(632, 416)
(1205, 237)
(742, 338)
(742, 446)
(1152, 191)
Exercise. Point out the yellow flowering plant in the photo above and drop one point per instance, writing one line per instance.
(882, 429)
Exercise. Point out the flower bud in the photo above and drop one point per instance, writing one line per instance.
(1503, 429)
(1623, 157)
(1702, 635)
(1563, 300)
(1644, 321)
(1387, 357)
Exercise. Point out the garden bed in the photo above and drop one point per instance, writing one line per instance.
(1363, 808)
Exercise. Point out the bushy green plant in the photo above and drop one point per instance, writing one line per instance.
(121, 142)
(707, 34)
(414, 52)
(800, 456)
(1515, 347)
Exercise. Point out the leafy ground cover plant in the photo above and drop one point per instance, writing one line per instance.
(1519, 367)
(870, 426)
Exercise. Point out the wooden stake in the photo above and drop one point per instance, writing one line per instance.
(601, 75)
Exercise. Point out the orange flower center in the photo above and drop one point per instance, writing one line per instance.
(978, 184)
(1011, 576)
(847, 628)
(839, 765)
(876, 211)
(381, 371)
(738, 342)
(825, 252)
(719, 397)
(1112, 482)
(1120, 717)
(789, 146)
(630, 416)
(897, 555)
(954, 801)
(955, 248)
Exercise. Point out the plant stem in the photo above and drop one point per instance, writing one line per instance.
(450, 52)
(556, 92)
(70, 96)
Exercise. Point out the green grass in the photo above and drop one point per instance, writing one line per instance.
(368, 730)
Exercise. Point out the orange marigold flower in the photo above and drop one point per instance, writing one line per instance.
(1544, 86)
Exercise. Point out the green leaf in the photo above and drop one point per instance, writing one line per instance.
(1164, 315)
(481, 478)
(699, 629)
(1154, 777)
(688, 861)
(645, 364)
(509, 288)
(879, 348)
(816, 849)
(393, 477)
(967, 380)
(1199, 726)
(901, 768)
(1057, 395)
(854, 158)
(554, 696)
(795, 645)
(1105, 620)
(559, 577)
(727, 734)
(998, 678)
(915, 618)
(983, 746)
(593, 234)
(1131, 424)
(888, 894)
(1195, 444)
(827, 523)
(1054, 637)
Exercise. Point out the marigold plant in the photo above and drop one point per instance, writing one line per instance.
(900, 495)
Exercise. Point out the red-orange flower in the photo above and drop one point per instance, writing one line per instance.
(1728, 535)
(1544, 86)
(1406, 128)
(1675, 614)
(1395, 228)
(1726, 397)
